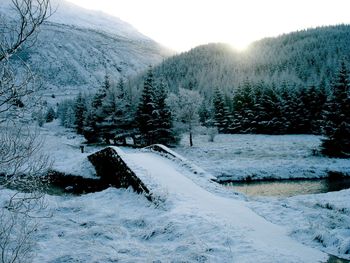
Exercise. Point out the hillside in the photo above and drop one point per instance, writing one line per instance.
(77, 47)
(298, 59)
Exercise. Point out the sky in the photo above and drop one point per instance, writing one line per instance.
(184, 24)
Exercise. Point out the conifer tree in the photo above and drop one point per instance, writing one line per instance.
(205, 114)
(271, 117)
(164, 132)
(221, 114)
(80, 113)
(243, 104)
(336, 126)
(145, 115)
(50, 115)
(94, 125)
(107, 119)
(122, 118)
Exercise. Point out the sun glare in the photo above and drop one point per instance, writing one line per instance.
(182, 24)
(239, 45)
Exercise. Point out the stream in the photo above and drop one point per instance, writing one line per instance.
(288, 188)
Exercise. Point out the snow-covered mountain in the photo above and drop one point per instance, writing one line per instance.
(77, 47)
(70, 14)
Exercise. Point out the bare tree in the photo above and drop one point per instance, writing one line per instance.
(186, 105)
(20, 158)
(17, 28)
(22, 28)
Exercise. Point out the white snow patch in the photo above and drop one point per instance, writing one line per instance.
(63, 148)
(237, 157)
(321, 220)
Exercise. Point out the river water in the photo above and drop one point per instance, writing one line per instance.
(287, 188)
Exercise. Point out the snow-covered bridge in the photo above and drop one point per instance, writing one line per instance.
(162, 174)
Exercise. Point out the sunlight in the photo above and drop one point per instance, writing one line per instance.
(239, 45)
(182, 25)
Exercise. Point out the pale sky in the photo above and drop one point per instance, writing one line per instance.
(184, 24)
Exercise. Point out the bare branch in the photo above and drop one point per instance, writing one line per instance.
(19, 146)
(30, 14)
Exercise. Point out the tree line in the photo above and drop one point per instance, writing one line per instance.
(111, 115)
(258, 108)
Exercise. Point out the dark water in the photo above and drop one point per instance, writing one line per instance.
(287, 188)
(54, 183)
(334, 259)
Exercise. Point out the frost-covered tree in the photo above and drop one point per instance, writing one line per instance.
(94, 126)
(125, 112)
(80, 110)
(69, 119)
(206, 114)
(243, 105)
(19, 146)
(337, 117)
(164, 132)
(316, 100)
(66, 113)
(145, 115)
(301, 59)
(50, 115)
(185, 106)
(221, 112)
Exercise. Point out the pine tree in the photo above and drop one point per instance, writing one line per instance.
(90, 126)
(206, 113)
(124, 111)
(145, 115)
(317, 101)
(243, 105)
(93, 129)
(164, 132)
(312, 102)
(336, 126)
(270, 113)
(50, 115)
(69, 118)
(221, 113)
(80, 113)
(108, 120)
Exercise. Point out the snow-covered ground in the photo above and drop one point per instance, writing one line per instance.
(321, 220)
(196, 220)
(191, 224)
(63, 148)
(237, 157)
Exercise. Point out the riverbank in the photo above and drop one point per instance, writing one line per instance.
(244, 157)
(318, 220)
(198, 220)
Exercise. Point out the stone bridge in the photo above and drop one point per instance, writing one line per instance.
(137, 168)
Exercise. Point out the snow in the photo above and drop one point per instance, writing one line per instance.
(266, 241)
(192, 225)
(70, 14)
(320, 220)
(238, 157)
(63, 148)
(195, 218)
(84, 46)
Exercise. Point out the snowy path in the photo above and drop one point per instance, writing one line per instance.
(258, 237)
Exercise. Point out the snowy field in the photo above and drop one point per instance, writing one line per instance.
(63, 148)
(198, 220)
(238, 157)
(321, 220)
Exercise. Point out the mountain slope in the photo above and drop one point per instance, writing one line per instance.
(76, 48)
(69, 14)
(299, 59)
